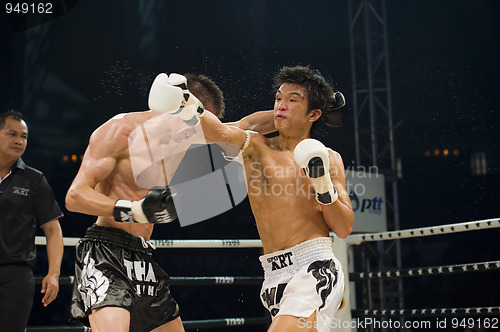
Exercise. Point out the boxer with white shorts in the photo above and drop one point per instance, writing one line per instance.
(302, 279)
(296, 188)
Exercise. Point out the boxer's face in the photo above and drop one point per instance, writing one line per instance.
(291, 106)
(13, 139)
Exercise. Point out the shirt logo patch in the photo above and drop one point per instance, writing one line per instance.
(20, 191)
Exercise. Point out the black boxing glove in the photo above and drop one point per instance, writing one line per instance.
(336, 114)
(157, 207)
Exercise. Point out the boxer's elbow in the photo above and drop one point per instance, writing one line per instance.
(73, 197)
(342, 224)
(347, 224)
(344, 231)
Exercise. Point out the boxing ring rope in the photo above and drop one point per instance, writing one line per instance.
(189, 244)
(350, 240)
(427, 271)
(353, 276)
(186, 281)
(396, 314)
(354, 239)
(195, 324)
(436, 312)
(424, 231)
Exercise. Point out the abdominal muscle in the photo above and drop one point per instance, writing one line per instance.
(286, 219)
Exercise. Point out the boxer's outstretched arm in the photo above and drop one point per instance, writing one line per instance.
(261, 122)
(216, 131)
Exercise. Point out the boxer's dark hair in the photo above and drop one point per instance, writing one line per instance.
(10, 114)
(320, 92)
(207, 91)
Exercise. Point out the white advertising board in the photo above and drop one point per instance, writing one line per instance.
(367, 192)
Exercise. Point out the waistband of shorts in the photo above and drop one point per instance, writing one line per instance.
(298, 256)
(114, 236)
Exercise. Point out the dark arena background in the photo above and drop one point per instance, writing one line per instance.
(71, 70)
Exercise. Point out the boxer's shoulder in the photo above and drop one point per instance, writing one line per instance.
(112, 136)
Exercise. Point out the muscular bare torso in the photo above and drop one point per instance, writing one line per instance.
(281, 197)
(120, 183)
(106, 174)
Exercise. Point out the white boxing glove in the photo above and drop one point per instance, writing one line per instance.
(163, 97)
(312, 156)
(191, 108)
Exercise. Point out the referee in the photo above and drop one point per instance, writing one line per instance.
(26, 199)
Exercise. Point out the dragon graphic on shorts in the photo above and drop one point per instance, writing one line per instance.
(93, 284)
(327, 275)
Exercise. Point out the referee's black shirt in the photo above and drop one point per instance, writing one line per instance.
(26, 199)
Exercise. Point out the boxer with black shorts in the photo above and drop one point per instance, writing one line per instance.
(117, 286)
(132, 279)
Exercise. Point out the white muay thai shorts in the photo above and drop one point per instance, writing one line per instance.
(302, 279)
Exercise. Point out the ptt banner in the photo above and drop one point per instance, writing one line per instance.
(367, 193)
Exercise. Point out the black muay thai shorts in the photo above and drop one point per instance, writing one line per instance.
(114, 268)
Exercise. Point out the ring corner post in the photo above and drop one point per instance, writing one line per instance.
(342, 321)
